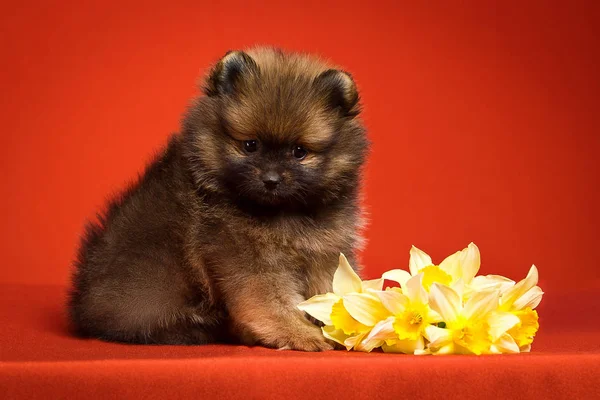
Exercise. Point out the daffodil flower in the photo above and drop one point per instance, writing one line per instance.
(403, 332)
(350, 312)
(469, 330)
(462, 265)
(521, 301)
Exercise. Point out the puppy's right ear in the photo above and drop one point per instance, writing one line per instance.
(227, 75)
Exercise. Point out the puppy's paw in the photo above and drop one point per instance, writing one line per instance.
(312, 340)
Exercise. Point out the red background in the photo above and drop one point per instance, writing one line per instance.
(484, 120)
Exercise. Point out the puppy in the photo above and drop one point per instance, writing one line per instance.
(239, 219)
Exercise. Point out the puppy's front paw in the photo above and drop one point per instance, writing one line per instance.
(309, 340)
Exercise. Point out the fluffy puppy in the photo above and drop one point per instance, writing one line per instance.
(240, 218)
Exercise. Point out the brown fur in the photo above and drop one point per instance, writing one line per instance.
(199, 250)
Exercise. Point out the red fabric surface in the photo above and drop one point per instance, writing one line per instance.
(38, 358)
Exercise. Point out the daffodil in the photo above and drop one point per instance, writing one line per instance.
(521, 301)
(462, 265)
(403, 332)
(468, 328)
(350, 312)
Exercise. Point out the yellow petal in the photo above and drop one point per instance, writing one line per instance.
(445, 301)
(481, 303)
(519, 289)
(411, 323)
(365, 308)
(320, 306)
(459, 287)
(337, 335)
(530, 299)
(397, 275)
(500, 322)
(489, 282)
(341, 319)
(474, 337)
(405, 346)
(394, 301)
(451, 265)
(449, 348)
(373, 284)
(383, 330)
(434, 273)
(345, 280)
(505, 344)
(354, 340)
(470, 262)
(525, 331)
(438, 337)
(415, 291)
(418, 260)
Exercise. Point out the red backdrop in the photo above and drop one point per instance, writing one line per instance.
(484, 120)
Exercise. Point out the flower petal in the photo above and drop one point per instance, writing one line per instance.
(320, 306)
(341, 319)
(490, 282)
(445, 301)
(365, 308)
(505, 344)
(374, 284)
(397, 275)
(459, 287)
(394, 301)
(383, 330)
(470, 262)
(337, 335)
(405, 346)
(437, 336)
(354, 340)
(345, 280)
(530, 299)
(481, 303)
(418, 260)
(519, 289)
(415, 291)
(451, 265)
(500, 322)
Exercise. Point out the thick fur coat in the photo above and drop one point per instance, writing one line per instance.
(239, 219)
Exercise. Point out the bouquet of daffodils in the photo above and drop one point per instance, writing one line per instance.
(438, 309)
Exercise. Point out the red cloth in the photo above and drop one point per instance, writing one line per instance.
(39, 358)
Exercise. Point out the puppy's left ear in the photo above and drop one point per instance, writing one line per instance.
(228, 74)
(339, 91)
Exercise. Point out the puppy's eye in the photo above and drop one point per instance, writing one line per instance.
(299, 152)
(250, 145)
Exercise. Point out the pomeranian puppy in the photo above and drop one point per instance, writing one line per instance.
(239, 219)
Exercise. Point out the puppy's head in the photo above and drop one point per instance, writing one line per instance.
(277, 129)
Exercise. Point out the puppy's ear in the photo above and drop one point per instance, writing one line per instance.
(339, 91)
(226, 76)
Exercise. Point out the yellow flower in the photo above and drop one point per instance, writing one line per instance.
(469, 328)
(350, 312)
(403, 332)
(521, 300)
(460, 266)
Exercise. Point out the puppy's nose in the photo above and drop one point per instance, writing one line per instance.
(271, 179)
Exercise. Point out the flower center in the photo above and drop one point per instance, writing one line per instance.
(411, 322)
(473, 337)
(416, 319)
(434, 273)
